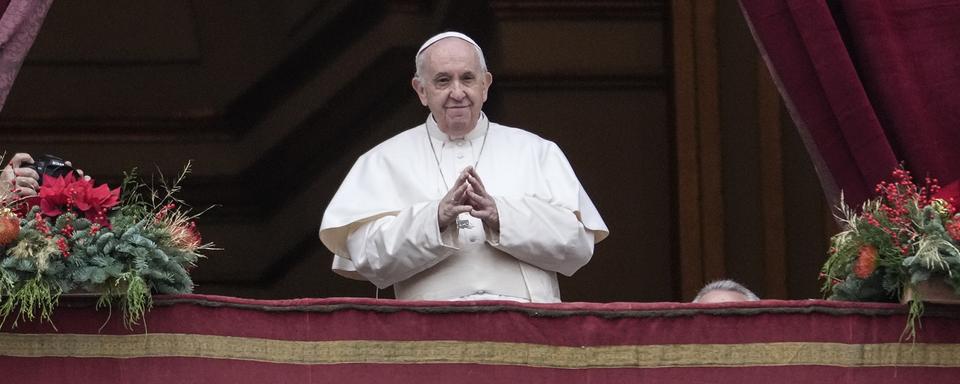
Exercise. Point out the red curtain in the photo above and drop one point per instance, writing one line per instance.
(869, 84)
(20, 21)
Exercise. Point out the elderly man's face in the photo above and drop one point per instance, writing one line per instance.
(453, 86)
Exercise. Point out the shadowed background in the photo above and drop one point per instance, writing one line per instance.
(665, 111)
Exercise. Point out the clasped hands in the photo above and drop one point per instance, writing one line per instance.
(468, 195)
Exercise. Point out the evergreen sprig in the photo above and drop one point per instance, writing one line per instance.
(898, 240)
(149, 246)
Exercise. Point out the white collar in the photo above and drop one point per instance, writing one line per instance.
(475, 133)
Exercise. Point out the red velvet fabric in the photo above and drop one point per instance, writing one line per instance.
(869, 84)
(182, 370)
(549, 324)
(578, 325)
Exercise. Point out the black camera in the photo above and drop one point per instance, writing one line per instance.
(49, 165)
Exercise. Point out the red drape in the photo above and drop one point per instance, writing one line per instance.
(215, 339)
(869, 84)
(20, 21)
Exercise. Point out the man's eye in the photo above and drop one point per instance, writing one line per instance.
(443, 81)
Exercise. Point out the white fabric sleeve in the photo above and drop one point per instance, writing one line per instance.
(539, 233)
(394, 248)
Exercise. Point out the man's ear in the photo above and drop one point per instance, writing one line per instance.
(418, 87)
(488, 79)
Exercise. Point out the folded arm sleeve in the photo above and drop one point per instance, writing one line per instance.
(394, 248)
(538, 233)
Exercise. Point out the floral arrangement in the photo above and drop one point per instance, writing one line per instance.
(74, 237)
(905, 236)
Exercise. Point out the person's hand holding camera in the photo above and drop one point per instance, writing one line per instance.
(19, 178)
(24, 174)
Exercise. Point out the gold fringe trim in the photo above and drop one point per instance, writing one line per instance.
(472, 352)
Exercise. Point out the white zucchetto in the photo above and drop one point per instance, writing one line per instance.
(445, 35)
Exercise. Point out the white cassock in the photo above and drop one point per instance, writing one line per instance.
(382, 223)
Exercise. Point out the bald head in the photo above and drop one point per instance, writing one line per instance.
(722, 296)
(722, 291)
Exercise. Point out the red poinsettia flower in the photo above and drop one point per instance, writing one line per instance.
(53, 194)
(94, 202)
(866, 261)
(66, 193)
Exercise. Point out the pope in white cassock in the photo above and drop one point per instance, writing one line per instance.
(460, 208)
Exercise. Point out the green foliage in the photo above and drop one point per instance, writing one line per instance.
(35, 298)
(136, 255)
(896, 242)
(136, 300)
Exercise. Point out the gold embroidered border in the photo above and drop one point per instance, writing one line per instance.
(473, 352)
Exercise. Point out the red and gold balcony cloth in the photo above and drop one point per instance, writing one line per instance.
(213, 339)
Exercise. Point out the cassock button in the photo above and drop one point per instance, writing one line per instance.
(481, 292)
(459, 155)
(473, 239)
(460, 143)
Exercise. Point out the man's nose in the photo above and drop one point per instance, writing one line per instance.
(457, 91)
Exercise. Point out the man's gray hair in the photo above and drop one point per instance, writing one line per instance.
(419, 59)
(726, 285)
